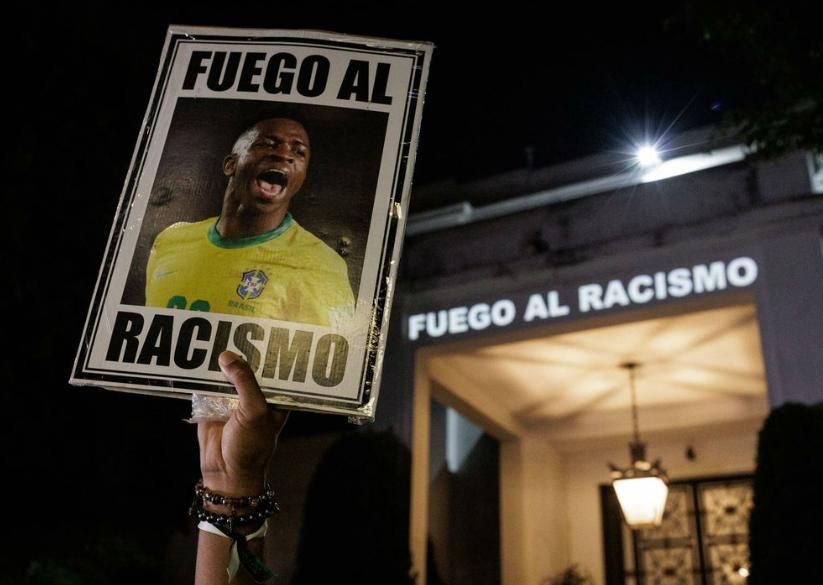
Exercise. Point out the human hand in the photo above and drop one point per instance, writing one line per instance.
(234, 454)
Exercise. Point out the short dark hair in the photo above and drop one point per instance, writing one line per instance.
(244, 139)
(270, 112)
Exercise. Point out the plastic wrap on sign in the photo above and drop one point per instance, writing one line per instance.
(263, 213)
(212, 408)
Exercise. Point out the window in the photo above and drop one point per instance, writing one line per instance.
(704, 538)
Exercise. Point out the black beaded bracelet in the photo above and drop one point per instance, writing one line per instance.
(231, 521)
(233, 502)
(256, 509)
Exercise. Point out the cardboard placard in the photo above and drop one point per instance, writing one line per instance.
(263, 213)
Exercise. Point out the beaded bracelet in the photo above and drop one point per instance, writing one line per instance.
(205, 493)
(231, 521)
(258, 508)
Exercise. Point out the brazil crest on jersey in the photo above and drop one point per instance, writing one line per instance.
(286, 274)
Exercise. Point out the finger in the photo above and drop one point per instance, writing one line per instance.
(237, 371)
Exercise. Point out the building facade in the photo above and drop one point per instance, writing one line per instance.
(517, 308)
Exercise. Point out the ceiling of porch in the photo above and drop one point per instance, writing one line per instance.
(697, 369)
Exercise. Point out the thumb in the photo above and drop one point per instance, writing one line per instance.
(238, 372)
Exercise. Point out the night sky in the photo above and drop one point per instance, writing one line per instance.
(578, 81)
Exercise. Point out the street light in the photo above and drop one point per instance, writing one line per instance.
(647, 156)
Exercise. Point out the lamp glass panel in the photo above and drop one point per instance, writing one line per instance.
(642, 499)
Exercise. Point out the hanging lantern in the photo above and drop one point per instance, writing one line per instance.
(642, 487)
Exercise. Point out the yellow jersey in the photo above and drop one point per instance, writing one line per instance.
(286, 274)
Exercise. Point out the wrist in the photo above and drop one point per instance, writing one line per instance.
(233, 486)
(234, 515)
(237, 516)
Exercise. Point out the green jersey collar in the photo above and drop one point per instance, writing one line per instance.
(219, 241)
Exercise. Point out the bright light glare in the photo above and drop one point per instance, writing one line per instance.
(692, 163)
(642, 499)
(743, 572)
(648, 156)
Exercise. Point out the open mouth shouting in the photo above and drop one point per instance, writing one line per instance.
(272, 182)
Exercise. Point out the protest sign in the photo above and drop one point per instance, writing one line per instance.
(263, 213)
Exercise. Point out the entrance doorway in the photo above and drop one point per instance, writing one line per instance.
(558, 404)
(464, 502)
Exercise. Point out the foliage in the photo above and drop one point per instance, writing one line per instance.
(110, 560)
(572, 575)
(771, 58)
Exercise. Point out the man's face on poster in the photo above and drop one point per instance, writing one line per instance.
(268, 165)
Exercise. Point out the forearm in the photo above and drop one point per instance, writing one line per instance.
(212, 559)
(213, 553)
(233, 509)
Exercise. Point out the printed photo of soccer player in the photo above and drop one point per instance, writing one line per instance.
(276, 247)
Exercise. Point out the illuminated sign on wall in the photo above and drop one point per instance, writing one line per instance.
(590, 298)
